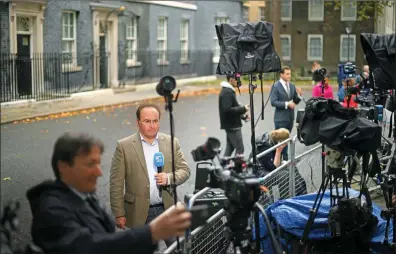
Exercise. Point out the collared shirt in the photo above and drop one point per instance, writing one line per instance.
(149, 150)
(286, 86)
(81, 195)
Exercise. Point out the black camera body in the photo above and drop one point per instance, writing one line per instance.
(319, 74)
(240, 185)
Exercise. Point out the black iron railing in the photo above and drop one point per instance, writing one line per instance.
(39, 77)
(47, 76)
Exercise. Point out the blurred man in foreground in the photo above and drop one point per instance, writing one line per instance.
(67, 217)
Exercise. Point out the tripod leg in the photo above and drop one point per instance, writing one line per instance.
(337, 191)
(331, 189)
(345, 186)
(315, 208)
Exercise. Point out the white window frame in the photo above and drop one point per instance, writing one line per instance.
(311, 36)
(164, 39)
(288, 37)
(245, 18)
(352, 53)
(261, 13)
(132, 24)
(185, 41)
(218, 20)
(314, 18)
(286, 2)
(66, 66)
(346, 3)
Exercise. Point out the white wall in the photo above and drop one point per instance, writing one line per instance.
(386, 23)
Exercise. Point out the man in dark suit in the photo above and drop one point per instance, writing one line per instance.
(284, 97)
(231, 113)
(67, 217)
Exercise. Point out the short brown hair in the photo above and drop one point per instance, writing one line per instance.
(285, 68)
(147, 105)
(69, 145)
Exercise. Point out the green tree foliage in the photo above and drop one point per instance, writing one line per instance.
(366, 9)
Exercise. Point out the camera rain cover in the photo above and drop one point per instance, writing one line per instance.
(380, 52)
(246, 48)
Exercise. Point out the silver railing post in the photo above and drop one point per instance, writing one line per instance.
(292, 168)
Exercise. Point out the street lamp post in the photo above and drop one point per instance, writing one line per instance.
(348, 30)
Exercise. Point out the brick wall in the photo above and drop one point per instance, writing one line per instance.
(300, 27)
(4, 28)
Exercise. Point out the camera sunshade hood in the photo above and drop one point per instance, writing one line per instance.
(380, 52)
(246, 48)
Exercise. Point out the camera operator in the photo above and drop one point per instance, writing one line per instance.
(67, 217)
(231, 113)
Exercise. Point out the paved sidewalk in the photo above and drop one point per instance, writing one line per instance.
(93, 101)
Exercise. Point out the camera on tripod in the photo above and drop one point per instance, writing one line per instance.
(349, 70)
(234, 175)
(241, 187)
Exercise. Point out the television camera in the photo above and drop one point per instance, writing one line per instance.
(242, 189)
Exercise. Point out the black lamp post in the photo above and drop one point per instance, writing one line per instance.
(348, 30)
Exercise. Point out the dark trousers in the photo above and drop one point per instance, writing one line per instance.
(288, 126)
(154, 212)
(234, 142)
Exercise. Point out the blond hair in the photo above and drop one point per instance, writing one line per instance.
(279, 135)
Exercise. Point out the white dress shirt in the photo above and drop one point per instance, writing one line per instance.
(149, 150)
(286, 86)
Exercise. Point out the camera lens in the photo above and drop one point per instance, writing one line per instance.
(166, 85)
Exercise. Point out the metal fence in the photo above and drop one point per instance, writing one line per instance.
(46, 76)
(282, 183)
(39, 76)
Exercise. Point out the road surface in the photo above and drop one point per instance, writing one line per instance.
(26, 148)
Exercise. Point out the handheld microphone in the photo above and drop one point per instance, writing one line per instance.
(159, 163)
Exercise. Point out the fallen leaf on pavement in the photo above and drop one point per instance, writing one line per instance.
(7, 178)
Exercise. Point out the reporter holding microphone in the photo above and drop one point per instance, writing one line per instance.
(68, 218)
(141, 172)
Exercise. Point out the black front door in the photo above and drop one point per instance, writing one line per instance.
(24, 65)
(103, 62)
